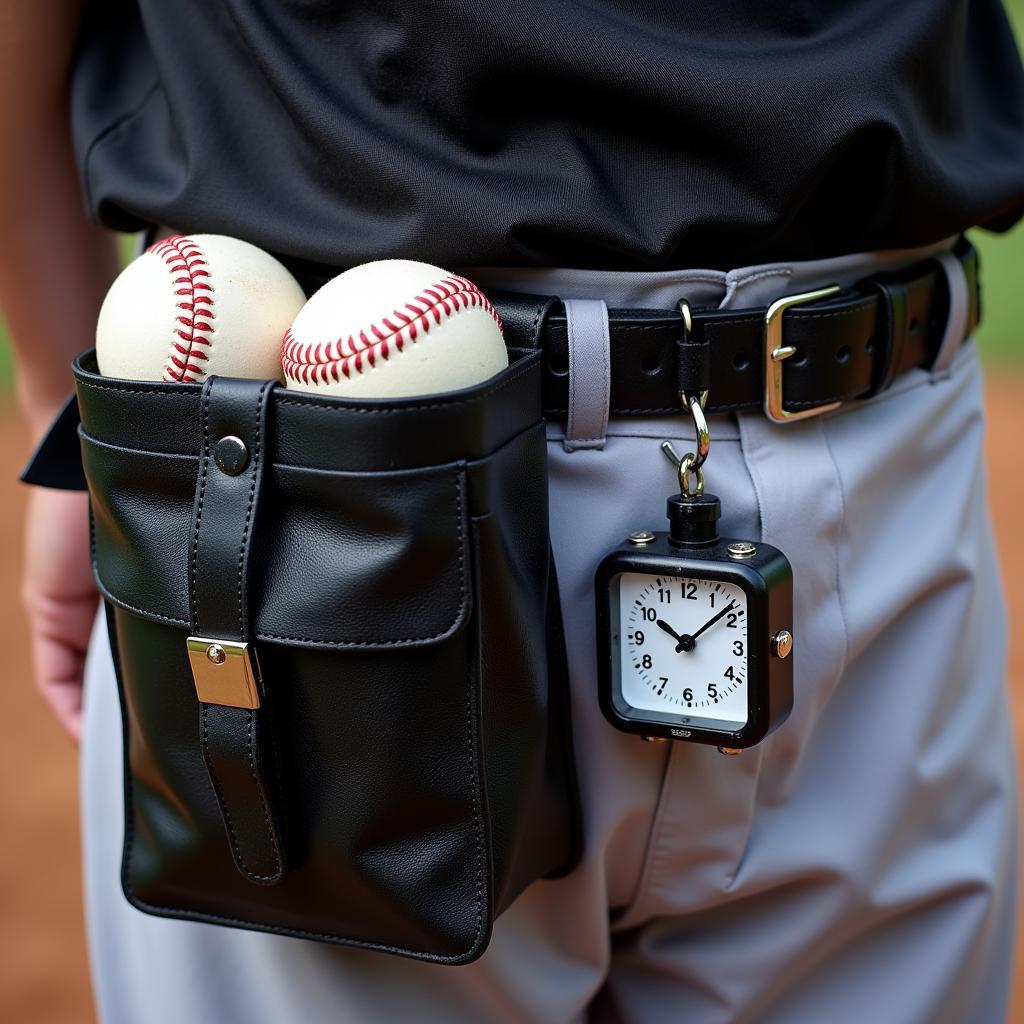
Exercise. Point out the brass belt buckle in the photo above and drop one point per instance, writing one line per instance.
(225, 672)
(775, 351)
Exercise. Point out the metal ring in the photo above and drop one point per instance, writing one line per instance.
(700, 424)
(687, 315)
(687, 465)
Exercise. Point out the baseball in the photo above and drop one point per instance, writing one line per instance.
(196, 305)
(393, 329)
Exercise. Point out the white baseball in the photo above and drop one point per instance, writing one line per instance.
(196, 305)
(393, 329)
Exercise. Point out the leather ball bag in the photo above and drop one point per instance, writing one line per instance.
(337, 639)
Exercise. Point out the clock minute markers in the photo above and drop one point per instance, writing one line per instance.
(707, 625)
(649, 681)
(685, 642)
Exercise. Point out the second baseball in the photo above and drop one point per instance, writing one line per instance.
(392, 329)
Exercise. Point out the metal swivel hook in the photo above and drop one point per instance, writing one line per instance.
(690, 463)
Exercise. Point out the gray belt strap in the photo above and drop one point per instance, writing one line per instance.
(589, 373)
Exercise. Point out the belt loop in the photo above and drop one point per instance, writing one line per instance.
(890, 331)
(589, 373)
(693, 357)
(959, 312)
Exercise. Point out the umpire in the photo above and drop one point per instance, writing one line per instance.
(858, 865)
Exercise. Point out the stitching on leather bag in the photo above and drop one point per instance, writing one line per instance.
(199, 508)
(477, 817)
(106, 592)
(535, 326)
(446, 632)
(249, 508)
(176, 393)
(263, 800)
(242, 627)
(340, 644)
(208, 757)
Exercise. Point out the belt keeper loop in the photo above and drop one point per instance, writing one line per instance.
(693, 358)
(971, 260)
(891, 331)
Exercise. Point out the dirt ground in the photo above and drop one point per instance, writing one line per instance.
(43, 972)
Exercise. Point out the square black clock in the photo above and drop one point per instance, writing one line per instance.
(695, 636)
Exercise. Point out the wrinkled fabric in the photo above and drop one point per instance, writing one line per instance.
(858, 865)
(608, 133)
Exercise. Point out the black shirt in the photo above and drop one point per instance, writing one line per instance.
(589, 133)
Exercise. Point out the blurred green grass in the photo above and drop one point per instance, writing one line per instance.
(1001, 335)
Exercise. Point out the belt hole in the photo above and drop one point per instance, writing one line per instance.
(651, 364)
(799, 357)
(843, 353)
(869, 345)
(740, 361)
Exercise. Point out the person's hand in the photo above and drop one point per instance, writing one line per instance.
(60, 598)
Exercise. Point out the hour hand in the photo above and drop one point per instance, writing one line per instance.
(662, 624)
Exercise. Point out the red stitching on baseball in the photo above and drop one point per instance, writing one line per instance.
(325, 362)
(187, 265)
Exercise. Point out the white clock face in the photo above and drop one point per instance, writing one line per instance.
(683, 647)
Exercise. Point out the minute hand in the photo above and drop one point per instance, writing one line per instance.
(683, 645)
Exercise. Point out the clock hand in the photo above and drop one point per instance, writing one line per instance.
(688, 642)
(661, 623)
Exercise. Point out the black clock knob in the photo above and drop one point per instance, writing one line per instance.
(693, 521)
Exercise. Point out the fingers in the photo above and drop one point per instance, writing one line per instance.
(60, 631)
(64, 698)
(60, 599)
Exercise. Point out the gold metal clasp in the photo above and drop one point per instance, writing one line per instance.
(775, 352)
(224, 672)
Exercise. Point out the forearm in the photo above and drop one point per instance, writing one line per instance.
(55, 266)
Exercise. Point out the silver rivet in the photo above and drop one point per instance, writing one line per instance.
(216, 654)
(231, 455)
(641, 537)
(741, 549)
(782, 643)
(731, 751)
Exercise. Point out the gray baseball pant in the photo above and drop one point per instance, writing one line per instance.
(857, 866)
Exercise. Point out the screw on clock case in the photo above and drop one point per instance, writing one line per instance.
(766, 578)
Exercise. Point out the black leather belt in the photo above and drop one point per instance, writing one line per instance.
(849, 345)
